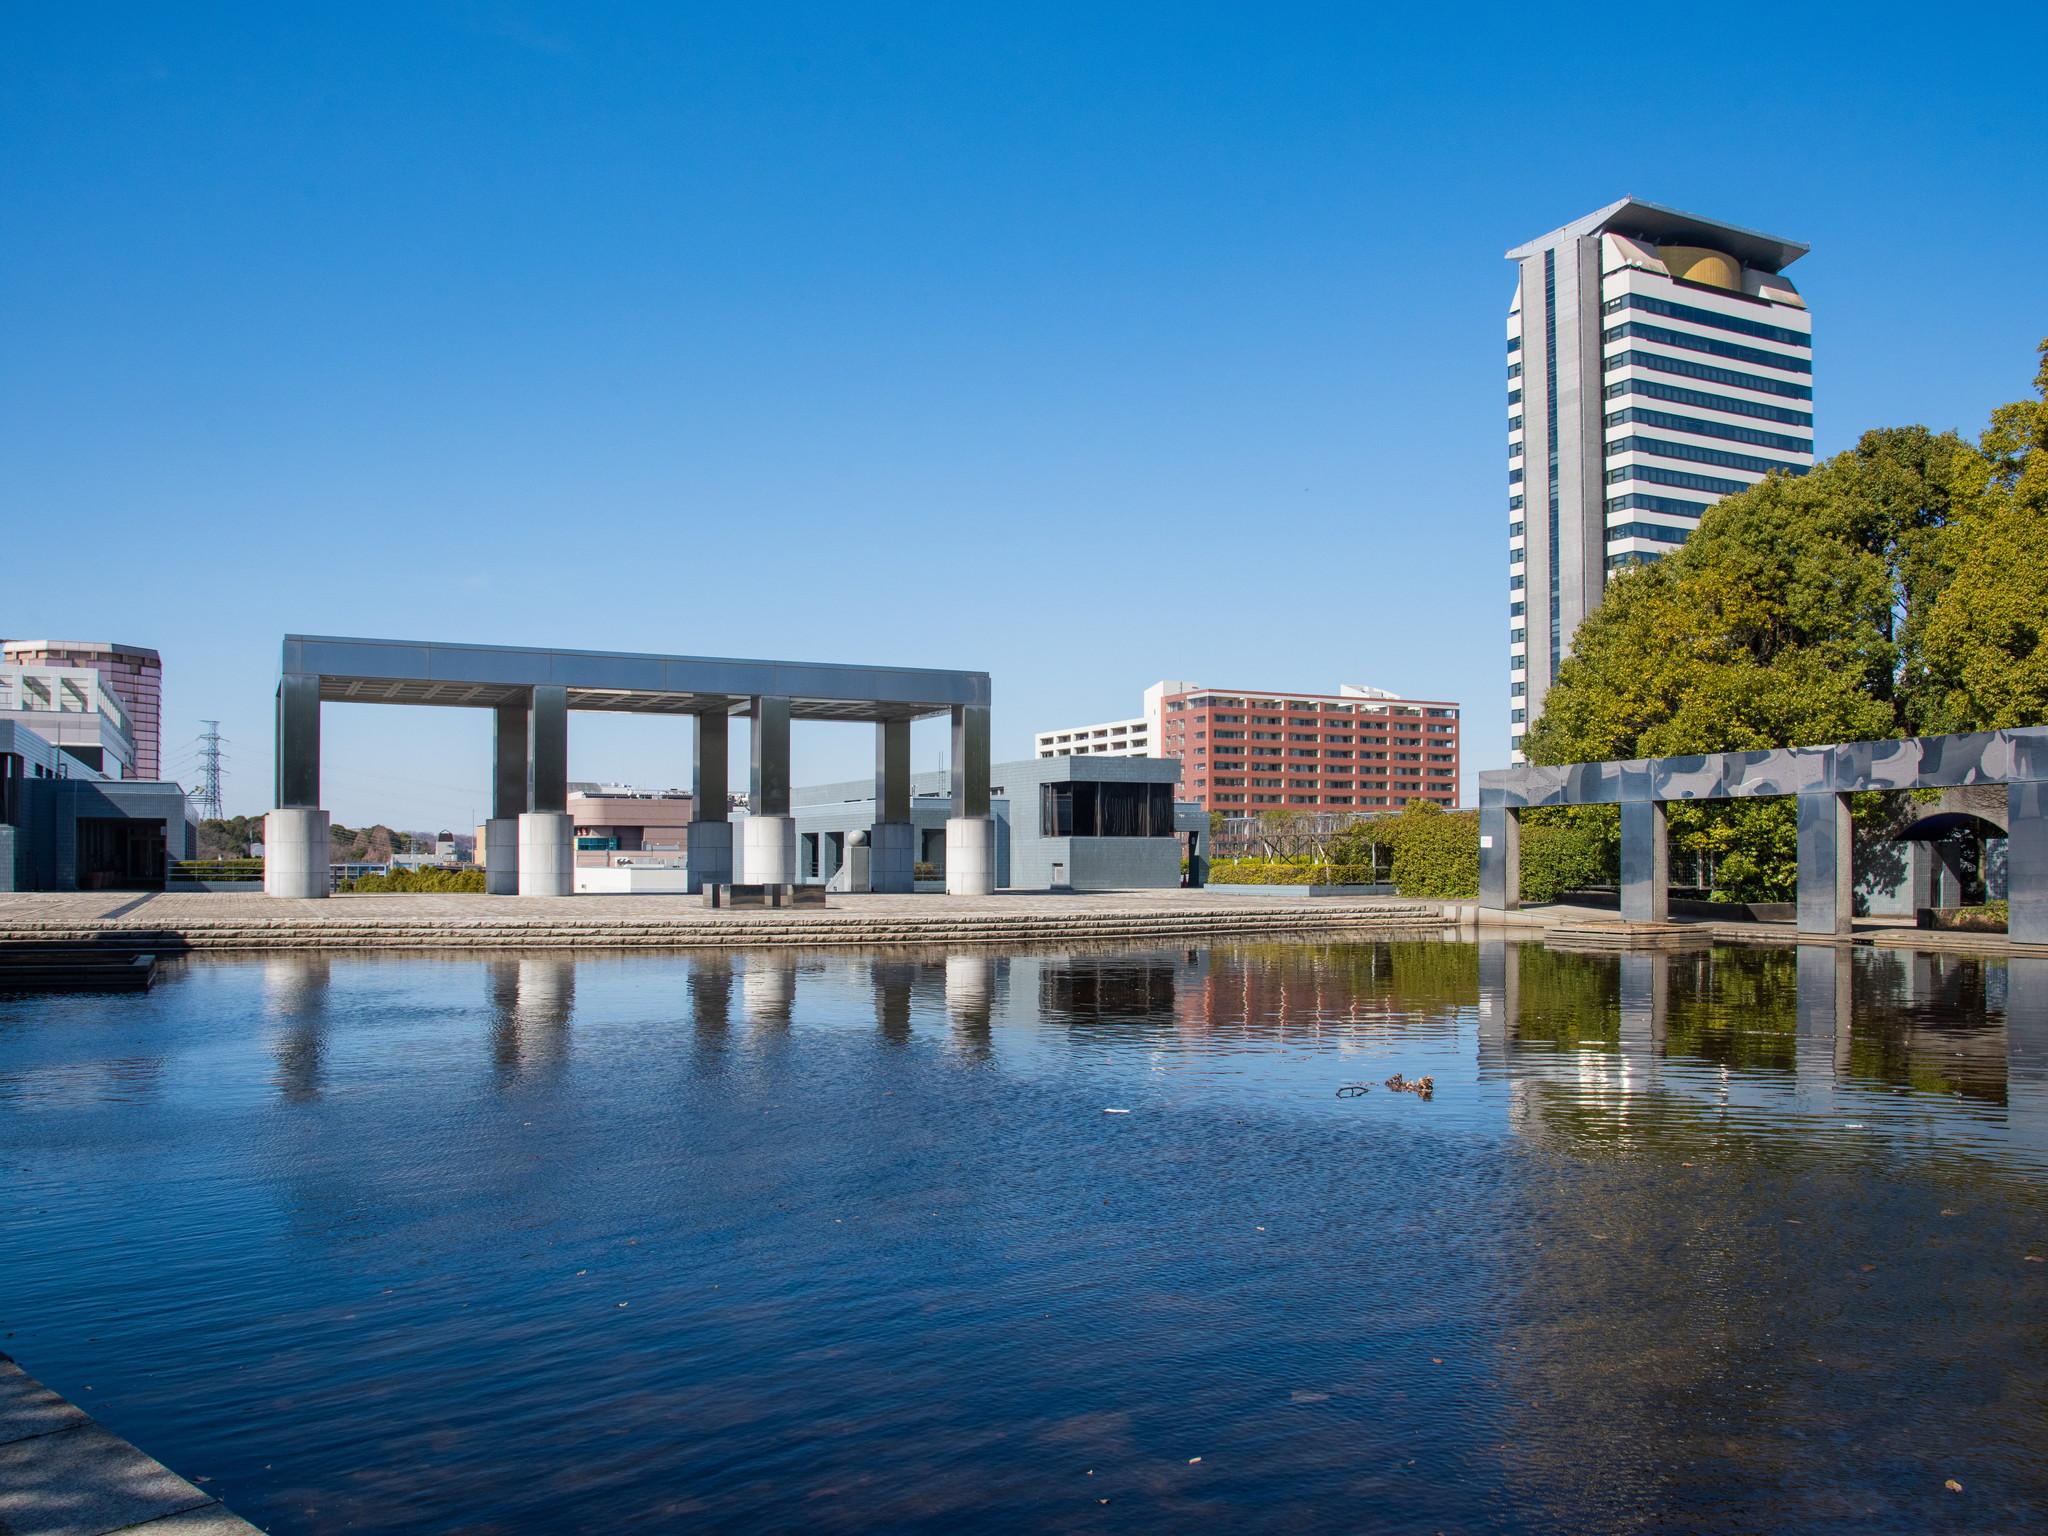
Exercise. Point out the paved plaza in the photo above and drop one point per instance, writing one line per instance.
(422, 921)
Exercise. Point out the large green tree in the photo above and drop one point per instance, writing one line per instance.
(1899, 588)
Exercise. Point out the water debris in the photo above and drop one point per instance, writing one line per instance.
(1116, 1111)
(1193, 1459)
(1421, 1087)
(1354, 1090)
(2032, 1258)
(1953, 1486)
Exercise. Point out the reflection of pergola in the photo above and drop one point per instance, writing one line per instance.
(531, 692)
(1821, 778)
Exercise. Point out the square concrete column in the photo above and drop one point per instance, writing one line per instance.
(298, 740)
(768, 838)
(707, 855)
(296, 860)
(1645, 863)
(547, 750)
(1500, 858)
(1826, 864)
(892, 844)
(2026, 863)
(508, 800)
(547, 837)
(970, 833)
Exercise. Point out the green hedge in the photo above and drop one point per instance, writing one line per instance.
(1436, 852)
(410, 881)
(1285, 872)
(1569, 849)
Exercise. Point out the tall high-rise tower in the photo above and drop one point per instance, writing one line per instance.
(1656, 362)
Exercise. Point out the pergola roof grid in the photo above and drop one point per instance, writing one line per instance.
(479, 676)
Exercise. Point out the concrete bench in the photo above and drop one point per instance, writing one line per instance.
(764, 896)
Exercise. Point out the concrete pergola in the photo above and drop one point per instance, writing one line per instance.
(1821, 778)
(530, 692)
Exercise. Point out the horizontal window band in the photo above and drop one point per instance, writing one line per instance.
(1695, 453)
(1637, 415)
(1686, 368)
(1713, 317)
(1687, 342)
(1650, 389)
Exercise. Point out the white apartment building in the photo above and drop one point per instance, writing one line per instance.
(1112, 738)
(1657, 361)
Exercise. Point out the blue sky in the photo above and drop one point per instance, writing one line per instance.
(1084, 345)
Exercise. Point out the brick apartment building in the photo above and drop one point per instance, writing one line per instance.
(1243, 751)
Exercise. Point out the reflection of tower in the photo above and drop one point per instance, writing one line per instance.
(295, 997)
(893, 981)
(768, 988)
(532, 1002)
(710, 987)
(970, 1000)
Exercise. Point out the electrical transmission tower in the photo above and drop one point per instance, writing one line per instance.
(206, 800)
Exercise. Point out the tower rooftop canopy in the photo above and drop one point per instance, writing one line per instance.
(1670, 226)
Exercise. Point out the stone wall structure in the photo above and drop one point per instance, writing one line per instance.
(1820, 778)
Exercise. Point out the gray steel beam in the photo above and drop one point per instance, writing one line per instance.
(1826, 865)
(710, 767)
(298, 741)
(508, 744)
(970, 760)
(547, 751)
(432, 672)
(768, 782)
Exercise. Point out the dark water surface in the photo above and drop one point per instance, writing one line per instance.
(1742, 1241)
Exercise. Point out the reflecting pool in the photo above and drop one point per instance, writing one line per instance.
(1742, 1240)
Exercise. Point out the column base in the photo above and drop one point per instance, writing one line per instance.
(970, 855)
(768, 850)
(547, 854)
(501, 856)
(707, 855)
(296, 862)
(892, 860)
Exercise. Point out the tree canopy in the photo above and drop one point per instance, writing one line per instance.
(1897, 589)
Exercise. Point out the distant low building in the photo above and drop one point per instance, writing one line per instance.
(618, 826)
(1096, 823)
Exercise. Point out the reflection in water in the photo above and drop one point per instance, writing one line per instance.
(1724, 1240)
(532, 1002)
(295, 998)
(892, 981)
(768, 988)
